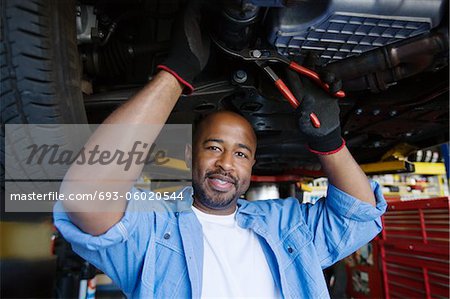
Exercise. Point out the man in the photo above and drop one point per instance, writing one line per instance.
(222, 246)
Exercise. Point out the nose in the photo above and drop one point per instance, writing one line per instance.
(225, 161)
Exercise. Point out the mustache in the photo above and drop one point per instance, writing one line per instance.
(219, 172)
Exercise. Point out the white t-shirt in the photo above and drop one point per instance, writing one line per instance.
(234, 264)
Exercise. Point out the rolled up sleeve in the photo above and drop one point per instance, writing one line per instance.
(341, 223)
(120, 251)
(349, 207)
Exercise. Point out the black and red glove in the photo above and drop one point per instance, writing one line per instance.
(326, 139)
(189, 50)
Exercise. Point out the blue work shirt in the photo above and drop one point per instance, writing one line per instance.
(159, 254)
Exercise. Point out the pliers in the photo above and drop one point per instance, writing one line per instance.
(263, 57)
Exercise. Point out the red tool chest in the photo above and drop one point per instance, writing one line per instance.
(414, 248)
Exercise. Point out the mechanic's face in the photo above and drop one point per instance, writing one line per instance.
(222, 159)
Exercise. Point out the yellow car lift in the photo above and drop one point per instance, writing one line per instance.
(391, 167)
(394, 161)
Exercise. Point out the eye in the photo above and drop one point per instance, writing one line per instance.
(242, 155)
(213, 148)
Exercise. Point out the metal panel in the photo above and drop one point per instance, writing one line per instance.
(337, 29)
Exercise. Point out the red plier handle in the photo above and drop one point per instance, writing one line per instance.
(287, 93)
(315, 77)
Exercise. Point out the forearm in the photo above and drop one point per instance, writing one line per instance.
(344, 173)
(139, 119)
(152, 104)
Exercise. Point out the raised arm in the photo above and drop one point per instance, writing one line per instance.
(152, 105)
(339, 223)
(139, 119)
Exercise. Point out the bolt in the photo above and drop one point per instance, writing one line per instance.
(408, 134)
(256, 53)
(101, 34)
(346, 132)
(393, 113)
(240, 76)
(377, 144)
(376, 112)
(358, 111)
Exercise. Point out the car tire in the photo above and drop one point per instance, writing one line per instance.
(40, 73)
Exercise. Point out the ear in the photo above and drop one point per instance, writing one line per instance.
(188, 155)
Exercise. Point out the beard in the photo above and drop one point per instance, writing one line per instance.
(215, 199)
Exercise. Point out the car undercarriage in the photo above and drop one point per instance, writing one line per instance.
(392, 57)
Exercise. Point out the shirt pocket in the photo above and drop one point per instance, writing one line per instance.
(171, 278)
(294, 243)
(167, 267)
(300, 263)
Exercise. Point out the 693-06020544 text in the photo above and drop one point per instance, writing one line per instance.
(97, 195)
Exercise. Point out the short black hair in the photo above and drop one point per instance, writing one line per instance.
(202, 116)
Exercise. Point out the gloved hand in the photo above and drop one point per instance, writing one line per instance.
(325, 139)
(189, 50)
